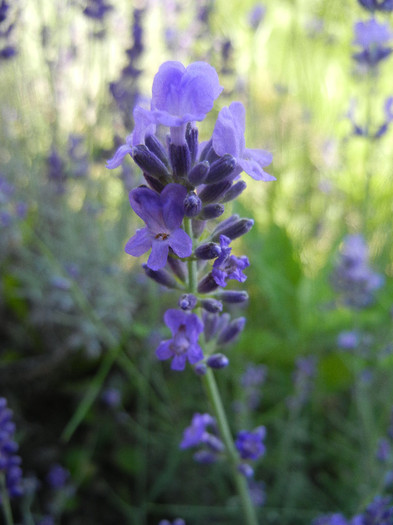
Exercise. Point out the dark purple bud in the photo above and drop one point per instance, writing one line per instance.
(214, 192)
(211, 211)
(154, 184)
(199, 173)
(155, 146)
(211, 305)
(200, 369)
(205, 457)
(246, 470)
(208, 284)
(232, 296)
(217, 361)
(187, 301)
(214, 443)
(207, 251)
(149, 162)
(180, 159)
(206, 150)
(229, 334)
(161, 277)
(234, 191)
(224, 224)
(235, 230)
(197, 227)
(179, 268)
(220, 169)
(210, 323)
(192, 204)
(192, 141)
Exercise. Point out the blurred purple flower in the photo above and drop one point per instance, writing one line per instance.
(348, 340)
(196, 433)
(228, 138)
(371, 37)
(57, 477)
(250, 444)
(377, 5)
(111, 397)
(163, 214)
(185, 328)
(9, 461)
(256, 15)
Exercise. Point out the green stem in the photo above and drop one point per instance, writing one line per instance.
(215, 399)
(5, 502)
(241, 484)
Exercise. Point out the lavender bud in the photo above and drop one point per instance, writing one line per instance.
(155, 184)
(246, 470)
(207, 251)
(211, 211)
(149, 162)
(206, 150)
(224, 224)
(205, 457)
(161, 277)
(187, 301)
(179, 268)
(210, 323)
(192, 204)
(234, 191)
(180, 159)
(233, 329)
(217, 361)
(214, 443)
(233, 296)
(199, 173)
(220, 169)
(192, 141)
(235, 230)
(200, 369)
(211, 305)
(214, 192)
(207, 284)
(197, 227)
(155, 146)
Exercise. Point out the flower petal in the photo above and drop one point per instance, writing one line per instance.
(252, 168)
(166, 87)
(164, 350)
(174, 319)
(172, 198)
(140, 243)
(180, 243)
(159, 254)
(228, 133)
(264, 158)
(194, 353)
(118, 157)
(179, 362)
(147, 204)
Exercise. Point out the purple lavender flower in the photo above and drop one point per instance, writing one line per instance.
(256, 15)
(185, 328)
(196, 433)
(348, 340)
(163, 214)
(111, 397)
(372, 36)
(249, 444)
(9, 461)
(377, 5)
(228, 137)
(57, 476)
(97, 9)
(228, 266)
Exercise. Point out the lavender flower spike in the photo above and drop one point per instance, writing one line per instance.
(184, 345)
(228, 137)
(163, 214)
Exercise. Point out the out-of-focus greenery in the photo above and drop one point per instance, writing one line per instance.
(79, 316)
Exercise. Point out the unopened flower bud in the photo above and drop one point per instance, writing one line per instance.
(199, 173)
(205, 457)
(214, 443)
(217, 361)
(209, 250)
(179, 268)
(224, 224)
(210, 323)
(187, 301)
(200, 369)
(155, 146)
(220, 169)
(231, 331)
(246, 470)
(154, 183)
(211, 211)
(214, 192)
(211, 305)
(235, 230)
(180, 159)
(232, 296)
(192, 141)
(149, 162)
(207, 284)
(161, 277)
(206, 150)
(192, 204)
(234, 191)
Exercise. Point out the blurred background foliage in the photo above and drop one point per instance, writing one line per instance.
(79, 319)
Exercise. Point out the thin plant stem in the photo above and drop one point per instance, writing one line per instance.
(5, 502)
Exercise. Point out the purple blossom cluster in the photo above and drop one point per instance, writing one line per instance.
(9, 460)
(187, 187)
(352, 276)
(379, 512)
